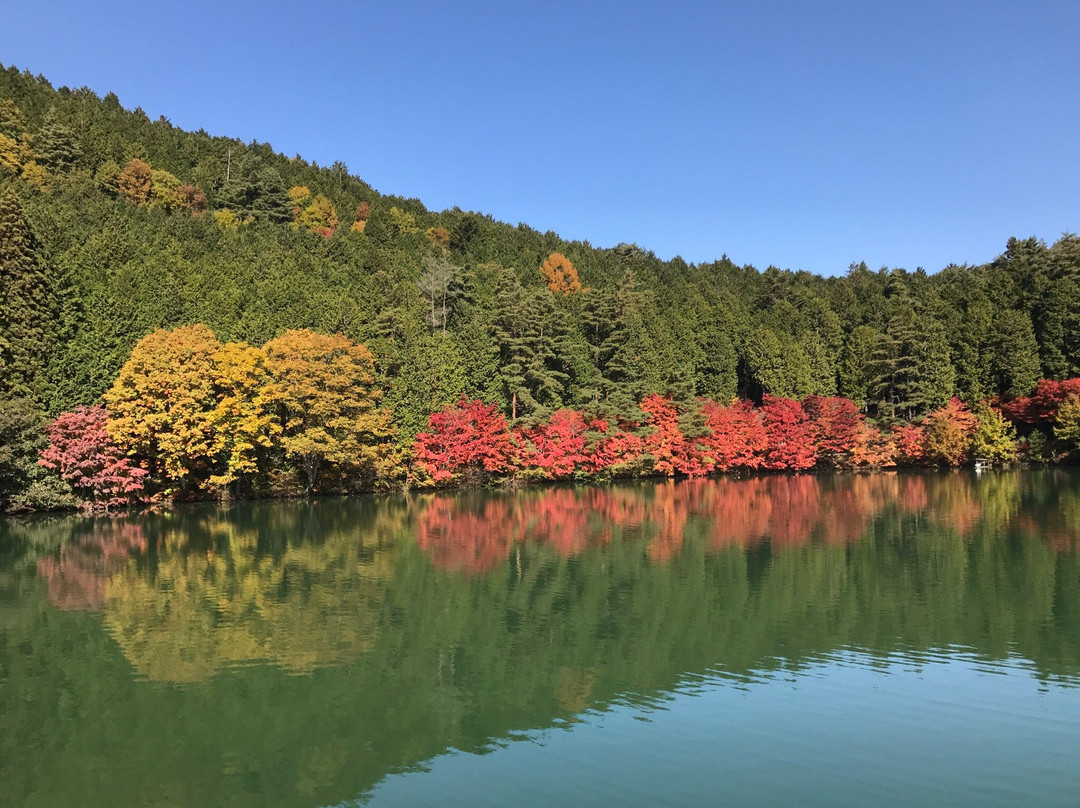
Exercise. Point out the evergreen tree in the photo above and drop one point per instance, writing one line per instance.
(777, 366)
(27, 304)
(856, 365)
(530, 333)
(1013, 355)
(269, 198)
(910, 366)
(24, 484)
(56, 146)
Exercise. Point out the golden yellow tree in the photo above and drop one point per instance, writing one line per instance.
(318, 217)
(561, 275)
(162, 400)
(241, 421)
(324, 394)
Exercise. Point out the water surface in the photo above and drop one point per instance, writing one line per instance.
(881, 639)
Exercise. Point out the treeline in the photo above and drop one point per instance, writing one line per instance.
(113, 226)
(189, 417)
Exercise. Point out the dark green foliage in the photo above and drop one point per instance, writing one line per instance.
(24, 484)
(530, 334)
(27, 304)
(910, 369)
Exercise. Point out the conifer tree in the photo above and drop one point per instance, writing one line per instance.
(270, 199)
(27, 304)
(530, 333)
(56, 146)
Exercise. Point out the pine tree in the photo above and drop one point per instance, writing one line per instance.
(530, 333)
(1013, 355)
(910, 367)
(630, 354)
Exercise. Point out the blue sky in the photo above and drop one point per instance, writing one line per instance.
(800, 134)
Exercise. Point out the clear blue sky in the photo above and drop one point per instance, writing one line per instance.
(801, 134)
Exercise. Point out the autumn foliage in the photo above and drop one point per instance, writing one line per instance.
(188, 415)
(790, 435)
(466, 439)
(948, 432)
(81, 451)
(560, 275)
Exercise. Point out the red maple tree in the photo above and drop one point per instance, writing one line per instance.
(790, 435)
(81, 450)
(469, 437)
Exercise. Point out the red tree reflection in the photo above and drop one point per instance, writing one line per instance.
(473, 536)
(78, 576)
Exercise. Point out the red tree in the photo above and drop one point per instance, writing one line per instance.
(874, 448)
(736, 436)
(671, 450)
(1041, 406)
(836, 423)
(557, 448)
(82, 452)
(910, 443)
(468, 437)
(612, 447)
(790, 435)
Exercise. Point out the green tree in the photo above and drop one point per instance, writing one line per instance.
(529, 332)
(271, 202)
(56, 146)
(432, 378)
(24, 484)
(1013, 355)
(778, 367)
(28, 305)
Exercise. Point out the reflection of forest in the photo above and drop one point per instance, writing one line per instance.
(452, 620)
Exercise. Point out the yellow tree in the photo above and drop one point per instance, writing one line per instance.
(299, 195)
(319, 217)
(162, 401)
(324, 395)
(561, 275)
(165, 191)
(994, 437)
(241, 422)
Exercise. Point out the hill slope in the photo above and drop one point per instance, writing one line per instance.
(114, 225)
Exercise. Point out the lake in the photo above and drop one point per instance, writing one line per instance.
(849, 640)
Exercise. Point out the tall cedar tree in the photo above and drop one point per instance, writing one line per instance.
(28, 305)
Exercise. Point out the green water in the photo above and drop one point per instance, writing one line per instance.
(852, 640)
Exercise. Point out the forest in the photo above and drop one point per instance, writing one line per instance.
(188, 316)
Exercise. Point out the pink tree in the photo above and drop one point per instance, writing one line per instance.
(82, 452)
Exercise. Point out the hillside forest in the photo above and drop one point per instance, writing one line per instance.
(185, 316)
